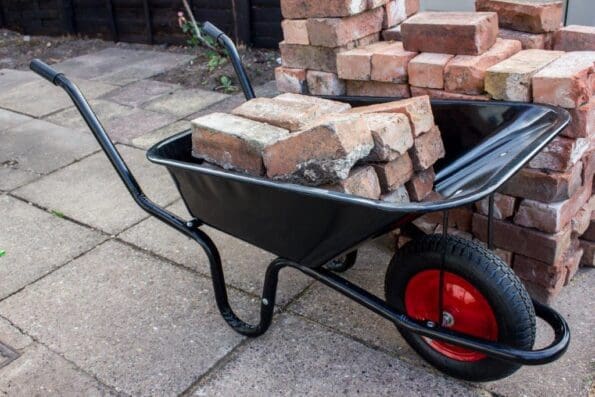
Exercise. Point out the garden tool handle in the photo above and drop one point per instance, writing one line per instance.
(212, 30)
(44, 70)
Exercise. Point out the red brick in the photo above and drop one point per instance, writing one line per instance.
(572, 261)
(392, 136)
(582, 220)
(583, 121)
(394, 13)
(465, 74)
(546, 275)
(356, 64)
(575, 38)
(588, 259)
(459, 218)
(529, 41)
(392, 34)
(546, 187)
(362, 182)
(503, 206)
(565, 82)
(439, 94)
(298, 9)
(394, 174)
(399, 196)
(291, 116)
(560, 154)
(545, 247)
(546, 296)
(336, 32)
(390, 63)
(464, 33)
(325, 106)
(411, 7)
(552, 217)
(526, 16)
(589, 234)
(321, 154)
(421, 184)
(427, 70)
(324, 83)
(291, 80)
(419, 111)
(427, 149)
(376, 88)
(233, 142)
(295, 31)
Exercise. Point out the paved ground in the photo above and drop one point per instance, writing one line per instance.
(98, 299)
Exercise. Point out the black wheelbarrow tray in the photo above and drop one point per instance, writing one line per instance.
(456, 303)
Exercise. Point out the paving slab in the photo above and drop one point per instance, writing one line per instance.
(10, 119)
(151, 138)
(10, 78)
(244, 264)
(184, 102)
(12, 178)
(142, 91)
(138, 324)
(40, 98)
(12, 337)
(36, 243)
(297, 357)
(40, 372)
(91, 192)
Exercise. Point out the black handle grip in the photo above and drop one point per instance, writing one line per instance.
(212, 30)
(44, 70)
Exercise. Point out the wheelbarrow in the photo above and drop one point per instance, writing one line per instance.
(455, 302)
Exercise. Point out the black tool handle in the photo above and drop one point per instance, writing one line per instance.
(44, 70)
(212, 30)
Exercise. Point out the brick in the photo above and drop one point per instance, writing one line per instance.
(233, 142)
(376, 3)
(377, 89)
(392, 136)
(361, 182)
(588, 259)
(291, 80)
(439, 94)
(325, 106)
(427, 149)
(572, 261)
(551, 217)
(356, 64)
(392, 34)
(506, 256)
(298, 9)
(390, 63)
(459, 218)
(318, 58)
(546, 296)
(321, 154)
(411, 7)
(427, 70)
(324, 83)
(565, 82)
(421, 184)
(465, 74)
(459, 33)
(394, 174)
(589, 234)
(399, 196)
(543, 274)
(529, 41)
(583, 121)
(575, 38)
(336, 32)
(394, 13)
(419, 111)
(510, 80)
(503, 206)
(295, 31)
(526, 16)
(534, 244)
(582, 220)
(560, 154)
(291, 116)
(546, 187)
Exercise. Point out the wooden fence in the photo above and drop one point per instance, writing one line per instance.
(253, 22)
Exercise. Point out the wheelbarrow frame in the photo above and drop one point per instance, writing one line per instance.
(191, 228)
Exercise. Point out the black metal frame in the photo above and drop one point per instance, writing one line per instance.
(339, 284)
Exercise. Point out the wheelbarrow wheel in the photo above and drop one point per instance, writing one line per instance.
(482, 297)
(343, 263)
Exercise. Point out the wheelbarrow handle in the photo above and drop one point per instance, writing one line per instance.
(212, 30)
(44, 70)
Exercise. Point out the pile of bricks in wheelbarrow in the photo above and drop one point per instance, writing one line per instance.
(378, 152)
(513, 50)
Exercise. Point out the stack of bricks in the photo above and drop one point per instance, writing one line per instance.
(382, 152)
(315, 32)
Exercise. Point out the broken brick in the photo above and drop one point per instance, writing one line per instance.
(291, 116)
(526, 16)
(324, 83)
(394, 173)
(421, 184)
(503, 206)
(427, 149)
(392, 136)
(575, 38)
(291, 80)
(336, 32)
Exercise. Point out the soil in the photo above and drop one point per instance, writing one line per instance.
(17, 50)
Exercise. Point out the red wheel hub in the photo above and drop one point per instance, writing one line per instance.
(465, 309)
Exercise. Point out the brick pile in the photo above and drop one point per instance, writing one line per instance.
(384, 152)
(512, 50)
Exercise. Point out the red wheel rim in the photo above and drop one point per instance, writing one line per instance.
(465, 310)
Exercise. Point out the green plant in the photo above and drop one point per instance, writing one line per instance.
(57, 213)
(2, 253)
(215, 60)
(227, 84)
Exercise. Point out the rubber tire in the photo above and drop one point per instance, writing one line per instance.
(503, 290)
(342, 264)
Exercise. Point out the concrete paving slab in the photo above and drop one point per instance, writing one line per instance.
(142, 91)
(136, 323)
(42, 147)
(297, 357)
(10, 78)
(12, 178)
(40, 372)
(36, 243)
(185, 102)
(104, 110)
(244, 264)
(40, 98)
(12, 337)
(151, 138)
(10, 119)
(91, 192)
